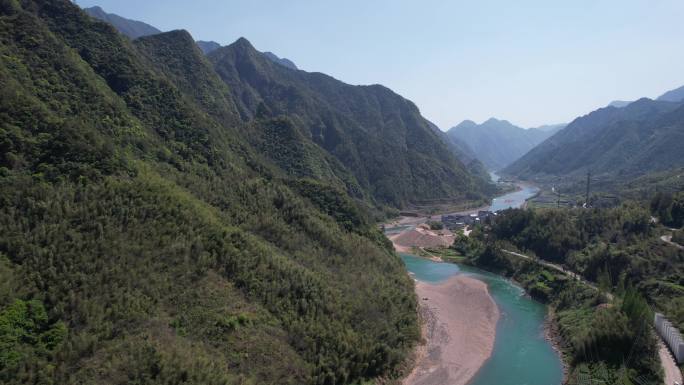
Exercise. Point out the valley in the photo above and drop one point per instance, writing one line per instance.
(192, 207)
(488, 345)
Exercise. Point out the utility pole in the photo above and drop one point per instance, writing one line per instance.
(558, 200)
(586, 201)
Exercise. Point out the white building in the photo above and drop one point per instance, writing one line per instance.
(672, 337)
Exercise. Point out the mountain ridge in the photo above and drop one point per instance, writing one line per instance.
(619, 142)
(348, 122)
(675, 95)
(496, 142)
(131, 28)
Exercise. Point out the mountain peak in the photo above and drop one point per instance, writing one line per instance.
(498, 123)
(180, 34)
(497, 142)
(241, 42)
(465, 123)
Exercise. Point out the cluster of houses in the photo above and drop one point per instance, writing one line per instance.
(459, 221)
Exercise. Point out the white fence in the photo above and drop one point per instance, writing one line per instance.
(672, 337)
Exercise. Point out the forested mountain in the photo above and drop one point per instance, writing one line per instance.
(497, 143)
(131, 28)
(135, 29)
(390, 149)
(618, 249)
(619, 143)
(467, 156)
(164, 224)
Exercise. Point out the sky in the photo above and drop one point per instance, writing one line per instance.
(531, 62)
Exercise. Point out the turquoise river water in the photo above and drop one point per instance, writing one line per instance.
(521, 354)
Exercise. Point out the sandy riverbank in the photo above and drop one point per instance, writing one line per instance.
(459, 328)
(421, 237)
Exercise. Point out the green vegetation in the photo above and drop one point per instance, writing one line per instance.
(27, 337)
(435, 225)
(445, 253)
(147, 239)
(605, 331)
(393, 153)
(678, 237)
(617, 145)
(669, 208)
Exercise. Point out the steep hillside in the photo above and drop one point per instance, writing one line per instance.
(467, 156)
(379, 136)
(497, 143)
(145, 240)
(622, 143)
(131, 28)
(676, 95)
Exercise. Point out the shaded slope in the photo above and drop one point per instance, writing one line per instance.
(177, 56)
(276, 140)
(378, 135)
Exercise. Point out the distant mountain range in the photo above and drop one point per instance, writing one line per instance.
(135, 29)
(208, 46)
(131, 28)
(552, 128)
(643, 136)
(676, 95)
(497, 143)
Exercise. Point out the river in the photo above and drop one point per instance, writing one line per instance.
(521, 355)
(515, 199)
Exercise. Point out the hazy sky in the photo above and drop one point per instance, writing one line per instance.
(530, 62)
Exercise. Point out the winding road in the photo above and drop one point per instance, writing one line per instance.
(668, 239)
(670, 368)
(672, 373)
(558, 268)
